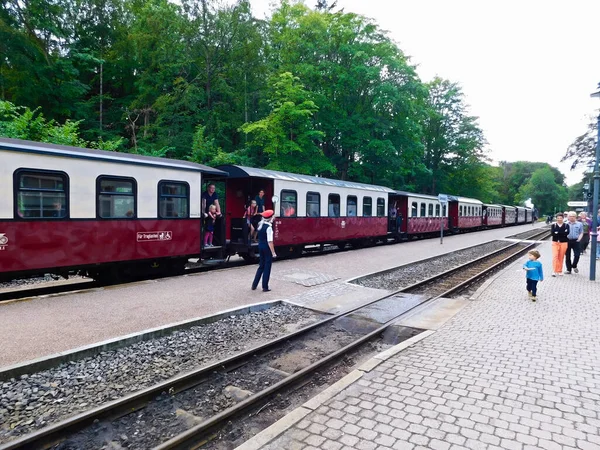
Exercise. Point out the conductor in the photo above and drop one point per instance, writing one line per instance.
(266, 251)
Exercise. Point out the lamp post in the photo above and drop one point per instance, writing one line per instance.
(593, 231)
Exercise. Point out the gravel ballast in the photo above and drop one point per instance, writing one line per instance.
(409, 274)
(39, 399)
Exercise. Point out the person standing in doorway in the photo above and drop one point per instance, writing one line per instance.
(266, 250)
(260, 201)
(560, 231)
(210, 197)
(575, 236)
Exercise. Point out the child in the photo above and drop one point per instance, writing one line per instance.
(251, 211)
(534, 273)
(210, 226)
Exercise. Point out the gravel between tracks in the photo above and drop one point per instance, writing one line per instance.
(412, 273)
(36, 400)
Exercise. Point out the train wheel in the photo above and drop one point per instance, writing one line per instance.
(341, 245)
(250, 258)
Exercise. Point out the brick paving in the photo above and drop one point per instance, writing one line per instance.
(504, 373)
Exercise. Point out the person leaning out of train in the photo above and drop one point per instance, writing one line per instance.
(251, 211)
(575, 236)
(210, 197)
(560, 241)
(266, 250)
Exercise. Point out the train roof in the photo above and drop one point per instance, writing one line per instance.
(456, 198)
(493, 205)
(243, 172)
(65, 151)
(414, 194)
(508, 206)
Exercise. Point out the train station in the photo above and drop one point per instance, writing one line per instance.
(299, 225)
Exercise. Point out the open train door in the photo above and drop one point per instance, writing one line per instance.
(453, 214)
(243, 185)
(217, 253)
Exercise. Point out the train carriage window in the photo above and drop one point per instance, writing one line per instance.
(444, 211)
(333, 205)
(380, 207)
(430, 210)
(351, 206)
(313, 204)
(367, 206)
(423, 209)
(41, 194)
(460, 213)
(116, 197)
(437, 210)
(289, 202)
(413, 209)
(173, 200)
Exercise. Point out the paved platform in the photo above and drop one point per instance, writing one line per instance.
(32, 329)
(504, 372)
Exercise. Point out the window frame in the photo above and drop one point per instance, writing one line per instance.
(438, 209)
(134, 193)
(318, 194)
(348, 197)
(159, 196)
(414, 207)
(16, 189)
(422, 209)
(383, 214)
(371, 204)
(339, 204)
(281, 200)
(430, 210)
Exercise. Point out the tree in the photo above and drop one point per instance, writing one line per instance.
(453, 143)
(287, 135)
(583, 149)
(545, 193)
(517, 174)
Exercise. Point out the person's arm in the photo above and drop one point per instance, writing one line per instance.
(270, 241)
(541, 272)
(580, 237)
(218, 207)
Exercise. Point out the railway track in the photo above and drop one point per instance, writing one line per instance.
(180, 396)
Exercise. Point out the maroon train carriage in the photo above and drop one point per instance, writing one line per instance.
(492, 215)
(509, 215)
(418, 215)
(308, 210)
(521, 215)
(102, 213)
(465, 213)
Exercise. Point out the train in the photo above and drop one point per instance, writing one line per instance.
(110, 215)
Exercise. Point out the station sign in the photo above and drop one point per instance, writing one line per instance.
(442, 198)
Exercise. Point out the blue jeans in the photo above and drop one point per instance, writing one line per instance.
(532, 286)
(264, 268)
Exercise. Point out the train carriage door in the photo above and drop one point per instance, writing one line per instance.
(453, 215)
(394, 214)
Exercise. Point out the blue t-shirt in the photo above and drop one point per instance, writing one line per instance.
(537, 274)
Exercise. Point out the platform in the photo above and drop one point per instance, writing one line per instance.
(504, 372)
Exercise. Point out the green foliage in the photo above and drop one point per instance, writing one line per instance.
(545, 193)
(287, 136)
(204, 80)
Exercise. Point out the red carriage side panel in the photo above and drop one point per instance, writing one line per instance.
(469, 222)
(422, 225)
(36, 245)
(312, 230)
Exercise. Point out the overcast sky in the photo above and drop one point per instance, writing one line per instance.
(527, 67)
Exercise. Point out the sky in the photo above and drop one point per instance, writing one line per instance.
(527, 67)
